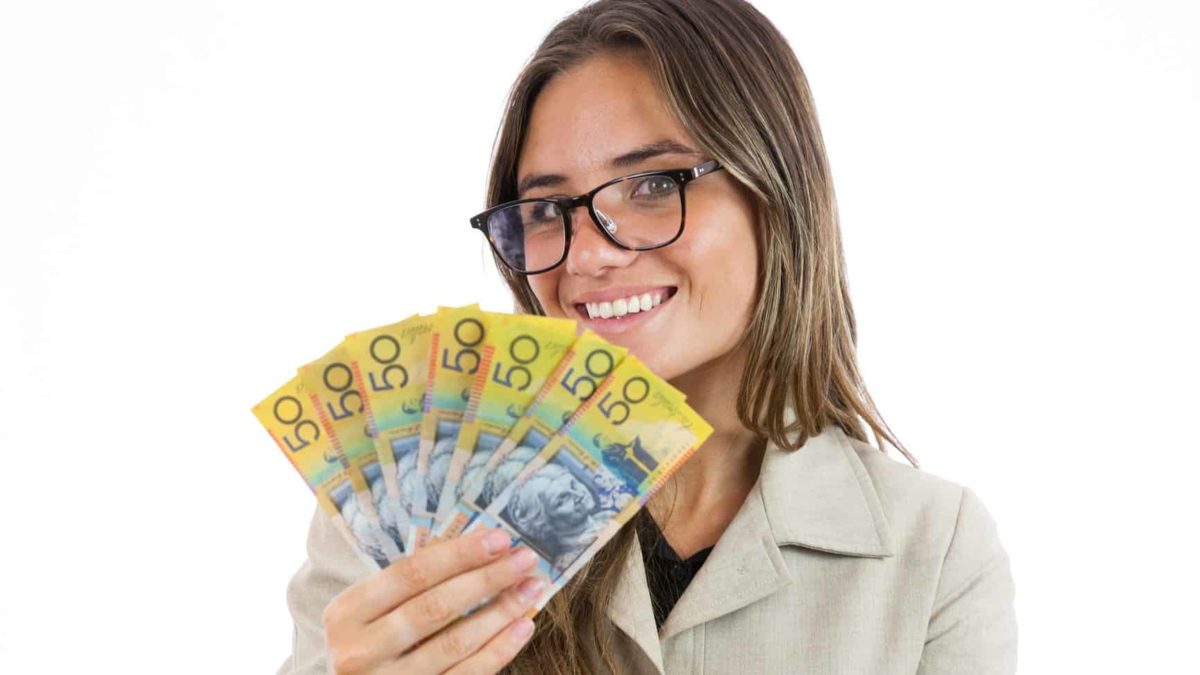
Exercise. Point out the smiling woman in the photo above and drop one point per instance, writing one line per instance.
(705, 280)
(659, 176)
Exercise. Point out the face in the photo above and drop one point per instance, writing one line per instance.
(568, 502)
(599, 110)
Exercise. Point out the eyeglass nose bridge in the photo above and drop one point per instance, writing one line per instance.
(602, 221)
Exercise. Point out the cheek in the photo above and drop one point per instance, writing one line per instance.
(722, 261)
(545, 287)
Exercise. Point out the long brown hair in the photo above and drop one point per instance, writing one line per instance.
(733, 82)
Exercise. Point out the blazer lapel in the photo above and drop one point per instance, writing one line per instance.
(744, 566)
(630, 609)
(818, 497)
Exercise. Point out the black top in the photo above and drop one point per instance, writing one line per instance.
(666, 574)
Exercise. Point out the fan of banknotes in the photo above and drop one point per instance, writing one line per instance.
(437, 425)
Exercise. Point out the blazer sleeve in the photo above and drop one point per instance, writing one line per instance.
(973, 623)
(331, 567)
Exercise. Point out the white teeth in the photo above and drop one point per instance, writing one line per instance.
(623, 306)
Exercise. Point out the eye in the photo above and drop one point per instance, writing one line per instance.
(544, 211)
(541, 217)
(654, 186)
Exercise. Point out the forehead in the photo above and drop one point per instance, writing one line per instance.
(596, 110)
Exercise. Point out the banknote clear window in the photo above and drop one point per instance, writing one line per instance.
(640, 212)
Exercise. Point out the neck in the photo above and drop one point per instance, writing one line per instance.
(714, 482)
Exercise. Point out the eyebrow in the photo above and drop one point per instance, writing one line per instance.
(631, 158)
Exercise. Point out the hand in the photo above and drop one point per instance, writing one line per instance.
(407, 618)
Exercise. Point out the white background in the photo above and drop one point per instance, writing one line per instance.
(197, 197)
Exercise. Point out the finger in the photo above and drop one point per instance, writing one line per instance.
(465, 637)
(422, 616)
(425, 568)
(498, 652)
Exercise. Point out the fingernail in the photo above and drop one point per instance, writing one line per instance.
(521, 630)
(496, 541)
(530, 589)
(523, 559)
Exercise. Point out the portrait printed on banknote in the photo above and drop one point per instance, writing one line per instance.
(392, 519)
(369, 535)
(560, 509)
(413, 486)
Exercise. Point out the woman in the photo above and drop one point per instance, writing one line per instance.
(787, 543)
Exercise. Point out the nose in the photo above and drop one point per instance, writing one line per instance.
(591, 253)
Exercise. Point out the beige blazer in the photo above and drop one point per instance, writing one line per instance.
(841, 560)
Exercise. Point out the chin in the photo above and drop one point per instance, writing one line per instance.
(650, 354)
(658, 362)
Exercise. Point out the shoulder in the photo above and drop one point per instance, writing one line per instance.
(931, 519)
(910, 497)
(945, 540)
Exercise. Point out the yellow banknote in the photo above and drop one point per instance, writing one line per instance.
(523, 351)
(338, 403)
(290, 418)
(456, 355)
(587, 363)
(623, 443)
(654, 432)
(391, 364)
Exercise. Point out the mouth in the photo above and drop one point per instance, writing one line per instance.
(625, 309)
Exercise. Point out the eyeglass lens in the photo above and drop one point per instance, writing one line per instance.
(638, 212)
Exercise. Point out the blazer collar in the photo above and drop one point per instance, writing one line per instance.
(630, 610)
(821, 497)
(818, 497)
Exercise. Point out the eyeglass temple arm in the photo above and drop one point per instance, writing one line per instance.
(707, 167)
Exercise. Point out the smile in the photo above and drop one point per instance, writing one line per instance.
(617, 308)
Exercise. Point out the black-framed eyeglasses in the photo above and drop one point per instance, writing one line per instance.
(640, 212)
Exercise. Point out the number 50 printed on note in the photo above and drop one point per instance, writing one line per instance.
(288, 415)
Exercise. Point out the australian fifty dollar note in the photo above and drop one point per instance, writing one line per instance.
(290, 418)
